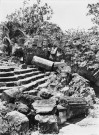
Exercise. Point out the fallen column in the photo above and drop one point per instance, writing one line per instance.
(43, 63)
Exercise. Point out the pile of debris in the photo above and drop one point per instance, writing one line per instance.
(63, 96)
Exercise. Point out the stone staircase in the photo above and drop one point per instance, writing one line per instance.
(28, 79)
(50, 112)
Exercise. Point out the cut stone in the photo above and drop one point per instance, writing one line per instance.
(75, 106)
(44, 106)
(43, 63)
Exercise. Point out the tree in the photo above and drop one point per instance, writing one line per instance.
(94, 11)
(31, 18)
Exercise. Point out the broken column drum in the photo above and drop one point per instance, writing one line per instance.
(43, 63)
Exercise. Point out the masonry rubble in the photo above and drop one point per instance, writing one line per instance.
(64, 95)
(18, 120)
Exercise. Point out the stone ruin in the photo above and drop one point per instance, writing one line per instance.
(42, 99)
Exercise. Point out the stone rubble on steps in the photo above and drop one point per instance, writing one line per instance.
(52, 98)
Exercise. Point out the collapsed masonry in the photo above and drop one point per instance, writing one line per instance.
(43, 98)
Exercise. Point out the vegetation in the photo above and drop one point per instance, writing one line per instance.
(30, 26)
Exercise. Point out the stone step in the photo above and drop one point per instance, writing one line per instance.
(7, 88)
(6, 74)
(6, 69)
(10, 84)
(4, 88)
(30, 79)
(8, 79)
(25, 75)
(22, 81)
(31, 92)
(43, 85)
(32, 85)
(22, 71)
(27, 87)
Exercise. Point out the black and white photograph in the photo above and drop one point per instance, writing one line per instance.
(49, 67)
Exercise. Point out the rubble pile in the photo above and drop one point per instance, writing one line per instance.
(43, 100)
(80, 86)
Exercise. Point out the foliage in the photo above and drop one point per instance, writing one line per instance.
(30, 18)
(94, 11)
(77, 45)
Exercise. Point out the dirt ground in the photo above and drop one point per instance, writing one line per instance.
(87, 126)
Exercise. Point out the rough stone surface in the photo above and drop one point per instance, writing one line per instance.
(9, 95)
(74, 106)
(65, 90)
(18, 120)
(23, 108)
(2, 106)
(45, 93)
(27, 99)
(79, 87)
(47, 123)
(44, 106)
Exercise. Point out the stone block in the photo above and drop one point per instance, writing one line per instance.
(18, 121)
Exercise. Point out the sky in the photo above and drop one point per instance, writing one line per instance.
(67, 13)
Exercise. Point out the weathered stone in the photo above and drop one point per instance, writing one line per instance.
(63, 101)
(65, 68)
(91, 72)
(45, 93)
(45, 106)
(57, 95)
(33, 92)
(10, 107)
(65, 91)
(80, 87)
(23, 108)
(9, 95)
(62, 118)
(18, 120)
(43, 63)
(4, 127)
(47, 123)
(76, 107)
(52, 86)
(23, 66)
(2, 107)
(27, 99)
